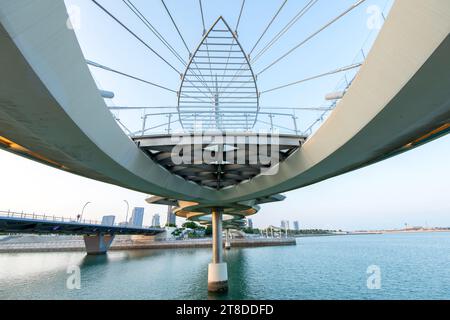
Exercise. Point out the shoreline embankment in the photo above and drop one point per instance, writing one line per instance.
(125, 245)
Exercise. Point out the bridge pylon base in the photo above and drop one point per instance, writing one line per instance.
(98, 244)
(217, 277)
(218, 269)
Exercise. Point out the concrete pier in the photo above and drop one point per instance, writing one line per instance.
(227, 239)
(76, 244)
(98, 244)
(217, 270)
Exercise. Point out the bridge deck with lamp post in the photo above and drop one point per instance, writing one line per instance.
(97, 236)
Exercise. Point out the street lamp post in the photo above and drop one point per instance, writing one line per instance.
(82, 211)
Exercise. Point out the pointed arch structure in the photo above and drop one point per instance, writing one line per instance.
(218, 90)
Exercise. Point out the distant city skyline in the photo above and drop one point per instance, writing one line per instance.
(109, 220)
(137, 217)
(171, 217)
(285, 224)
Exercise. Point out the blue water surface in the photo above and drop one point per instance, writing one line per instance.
(412, 266)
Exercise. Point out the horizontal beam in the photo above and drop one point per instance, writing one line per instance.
(220, 76)
(219, 37)
(221, 51)
(218, 69)
(236, 92)
(222, 63)
(226, 88)
(221, 98)
(220, 57)
(219, 81)
(221, 44)
(222, 108)
(238, 103)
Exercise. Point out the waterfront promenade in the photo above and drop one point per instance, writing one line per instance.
(76, 244)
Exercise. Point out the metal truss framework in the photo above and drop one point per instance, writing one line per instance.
(219, 88)
(211, 95)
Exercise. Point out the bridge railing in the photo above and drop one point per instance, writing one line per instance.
(53, 218)
(43, 217)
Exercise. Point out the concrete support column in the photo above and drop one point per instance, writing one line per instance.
(217, 270)
(227, 239)
(98, 244)
(217, 236)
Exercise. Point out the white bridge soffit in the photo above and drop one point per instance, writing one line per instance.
(217, 160)
(51, 110)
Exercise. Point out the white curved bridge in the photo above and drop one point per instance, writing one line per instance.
(51, 110)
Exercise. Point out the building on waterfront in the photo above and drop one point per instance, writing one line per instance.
(171, 217)
(155, 221)
(296, 226)
(137, 217)
(108, 220)
(285, 224)
(250, 223)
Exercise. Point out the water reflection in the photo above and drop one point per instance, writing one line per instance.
(319, 268)
(237, 275)
(93, 260)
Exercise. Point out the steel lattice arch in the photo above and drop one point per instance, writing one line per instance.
(218, 89)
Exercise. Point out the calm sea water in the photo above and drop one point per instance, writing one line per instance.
(413, 266)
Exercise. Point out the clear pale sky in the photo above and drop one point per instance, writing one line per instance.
(411, 188)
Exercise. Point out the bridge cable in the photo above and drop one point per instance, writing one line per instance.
(343, 78)
(203, 16)
(286, 28)
(313, 35)
(123, 126)
(147, 23)
(260, 38)
(343, 69)
(294, 20)
(135, 35)
(97, 65)
(240, 16)
(176, 27)
(203, 81)
(231, 48)
(268, 26)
